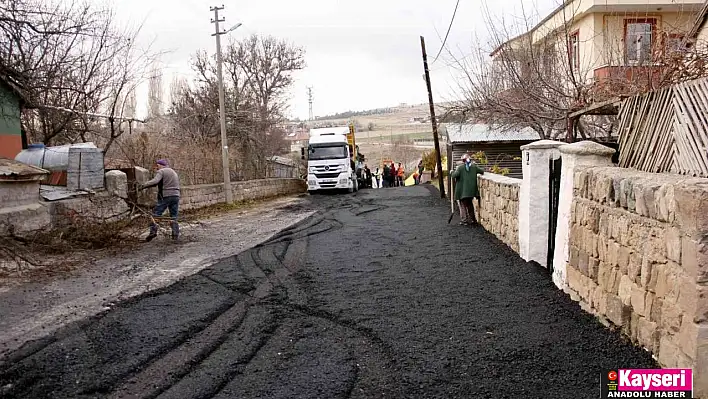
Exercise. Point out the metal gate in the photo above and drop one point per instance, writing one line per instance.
(554, 178)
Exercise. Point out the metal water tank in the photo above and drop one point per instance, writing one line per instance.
(49, 158)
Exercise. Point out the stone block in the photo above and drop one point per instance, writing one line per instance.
(583, 260)
(648, 334)
(646, 273)
(671, 316)
(593, 268)
(688, 338)
(634, 266)
(638, 300)
(623, 259)
(627, 187)
(688, 297)
(691, 198)
(668, 352)
(673, 244)
(626, 286)
(694, 258)
(655, 313)
(613, 253)
(117, 183)
(617, 312)
(604, 224)
(661, 286)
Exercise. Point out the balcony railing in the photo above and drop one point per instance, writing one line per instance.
(627, 80)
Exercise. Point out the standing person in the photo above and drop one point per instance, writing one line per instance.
(466, 189)
(168, 190)
(367, 176)
(376, 182)
(420, 171)
(400, 174)
(384, 177)
(392, 175)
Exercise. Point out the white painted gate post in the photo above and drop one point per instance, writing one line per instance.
(581, 154)
(533, 199)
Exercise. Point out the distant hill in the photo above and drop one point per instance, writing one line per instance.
(350, 114)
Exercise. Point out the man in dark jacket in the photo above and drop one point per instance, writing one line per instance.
(392, 175)
(466, 189)
(384, 177)
(168, 190)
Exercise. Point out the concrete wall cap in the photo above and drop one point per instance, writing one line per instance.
(586, 148)
(542, 144)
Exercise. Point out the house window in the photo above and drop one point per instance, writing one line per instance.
(639, 39)
(574, 50)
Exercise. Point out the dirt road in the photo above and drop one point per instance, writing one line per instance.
(373, 296)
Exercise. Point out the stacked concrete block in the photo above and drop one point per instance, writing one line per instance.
(639, 259)
(498, 210)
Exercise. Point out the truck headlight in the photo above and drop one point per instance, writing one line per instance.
(343, 180)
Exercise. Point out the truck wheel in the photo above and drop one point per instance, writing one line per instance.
(312, 192)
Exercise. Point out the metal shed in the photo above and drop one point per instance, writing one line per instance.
(501, 146)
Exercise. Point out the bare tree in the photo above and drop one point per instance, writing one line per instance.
(74, 64)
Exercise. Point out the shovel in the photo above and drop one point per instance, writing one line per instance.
(452, 201)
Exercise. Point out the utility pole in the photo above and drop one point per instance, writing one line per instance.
(309, 100)
(222, 108)
(432, 119)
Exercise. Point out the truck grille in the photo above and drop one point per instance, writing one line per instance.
(332, 169)
(327, 175)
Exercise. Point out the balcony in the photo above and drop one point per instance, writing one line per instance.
(612, 81)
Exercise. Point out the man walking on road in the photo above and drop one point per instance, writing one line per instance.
(466, 189)
(168, 190)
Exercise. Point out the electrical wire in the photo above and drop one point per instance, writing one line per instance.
(448, 31)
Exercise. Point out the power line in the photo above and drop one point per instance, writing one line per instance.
(448, 32)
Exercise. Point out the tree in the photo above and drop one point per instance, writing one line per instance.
(257, 76)
(74, 65)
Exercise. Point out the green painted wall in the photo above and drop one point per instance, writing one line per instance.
(9, 112)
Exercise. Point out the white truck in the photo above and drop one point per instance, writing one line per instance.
(332, 159)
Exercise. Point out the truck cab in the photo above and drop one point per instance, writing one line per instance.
(330, 160)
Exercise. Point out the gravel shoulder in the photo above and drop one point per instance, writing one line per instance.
(32, 310)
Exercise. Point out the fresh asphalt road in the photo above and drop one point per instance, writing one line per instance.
(374, 296)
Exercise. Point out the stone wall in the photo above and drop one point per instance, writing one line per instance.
(210, 194)
(498, 208)
(638, 259)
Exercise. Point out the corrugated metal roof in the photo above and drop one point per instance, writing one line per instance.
(476, 133)
(282, 160)
(15, 170)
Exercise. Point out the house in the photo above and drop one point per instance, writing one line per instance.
(12, 100)
(606, 42)
(501, 147)
(298, 139)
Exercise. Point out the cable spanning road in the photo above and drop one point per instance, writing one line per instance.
(375, 296)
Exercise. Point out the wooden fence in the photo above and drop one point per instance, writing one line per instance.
(666, 130)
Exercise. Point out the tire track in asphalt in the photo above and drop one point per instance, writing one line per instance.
(265, 291)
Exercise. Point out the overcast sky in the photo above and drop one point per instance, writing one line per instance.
(360, 54)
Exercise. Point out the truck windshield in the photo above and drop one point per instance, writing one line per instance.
(328, 152)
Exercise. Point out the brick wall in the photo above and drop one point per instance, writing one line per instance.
(498, 209)
(638, 259)
(193, 197)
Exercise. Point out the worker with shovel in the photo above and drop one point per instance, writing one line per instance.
(465, 178)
